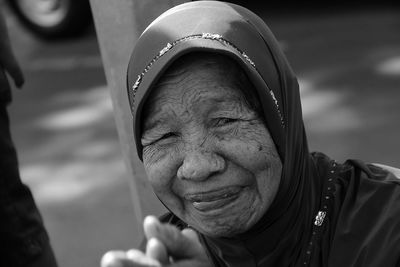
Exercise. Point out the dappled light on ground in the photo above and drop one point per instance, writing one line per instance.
(74, 179)
(390, 66)
(76, 152)
(95, 105)
(72, 162)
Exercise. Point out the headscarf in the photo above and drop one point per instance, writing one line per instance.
(287, 233)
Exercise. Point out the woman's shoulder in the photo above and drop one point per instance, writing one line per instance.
(389, 169)
(356, 169)
(378, 174)
(368, 193)
(367, 229)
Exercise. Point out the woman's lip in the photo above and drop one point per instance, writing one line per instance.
(213, 195)
(215, 204)
(212, 200)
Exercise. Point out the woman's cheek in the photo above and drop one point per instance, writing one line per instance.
(162, 176)
(151, 155)
(245, 144)
(158, 175)
(160, 167)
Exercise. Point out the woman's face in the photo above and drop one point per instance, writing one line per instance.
(208, 155)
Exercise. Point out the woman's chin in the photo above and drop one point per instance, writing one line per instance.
(224, 229)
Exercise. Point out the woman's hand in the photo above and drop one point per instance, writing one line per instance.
(166, 246)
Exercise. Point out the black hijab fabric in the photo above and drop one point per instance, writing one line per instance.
(324, 214)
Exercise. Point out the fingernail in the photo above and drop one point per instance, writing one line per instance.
(151, 226)
(113, 259)
(153, 221)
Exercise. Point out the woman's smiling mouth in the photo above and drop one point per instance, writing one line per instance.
(212, 200)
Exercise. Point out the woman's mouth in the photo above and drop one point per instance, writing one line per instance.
(212, 200)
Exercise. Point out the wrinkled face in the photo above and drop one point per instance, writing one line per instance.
(206, 151)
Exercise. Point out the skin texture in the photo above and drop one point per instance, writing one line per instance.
(206, 150)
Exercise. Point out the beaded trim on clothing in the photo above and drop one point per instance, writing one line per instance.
(322, 214)
(210, 36)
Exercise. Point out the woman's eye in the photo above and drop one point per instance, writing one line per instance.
(225, 121)
(164, 137)
(167, 135)
(154, 140)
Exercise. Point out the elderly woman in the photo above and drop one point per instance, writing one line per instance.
(218, 124)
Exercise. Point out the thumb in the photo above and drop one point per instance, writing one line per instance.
(180, 245)
(156, 250)
(191, 235)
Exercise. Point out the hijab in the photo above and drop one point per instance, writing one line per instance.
(305, 211)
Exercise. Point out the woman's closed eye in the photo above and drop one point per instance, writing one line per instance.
(150, 140)
(225, 121)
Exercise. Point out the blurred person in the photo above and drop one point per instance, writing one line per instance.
(23, 238)
(218, 125)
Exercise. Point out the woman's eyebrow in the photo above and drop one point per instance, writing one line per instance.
(153, 116)
(156, 121)
(152, 125)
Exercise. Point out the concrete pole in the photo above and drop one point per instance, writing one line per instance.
(118, 25)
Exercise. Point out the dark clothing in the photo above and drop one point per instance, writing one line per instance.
(361, 226)
(23, 239)
(363, 217)
(324, 213)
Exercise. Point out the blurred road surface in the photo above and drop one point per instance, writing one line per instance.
(68, 147)
(348, 64)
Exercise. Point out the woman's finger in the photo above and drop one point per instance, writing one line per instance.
(176, 243)
(132, 258)
(115, 259)
(156, 250)
(141, 259)
(191, 234)
(151, 226)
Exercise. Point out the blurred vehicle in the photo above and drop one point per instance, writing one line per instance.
(52, 19)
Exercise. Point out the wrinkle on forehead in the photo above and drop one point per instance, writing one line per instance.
(203, 71)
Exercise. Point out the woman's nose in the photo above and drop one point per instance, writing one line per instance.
(199, 165)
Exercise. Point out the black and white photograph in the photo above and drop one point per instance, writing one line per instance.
(176, 133)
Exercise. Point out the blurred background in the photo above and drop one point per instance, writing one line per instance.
(346, 56)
